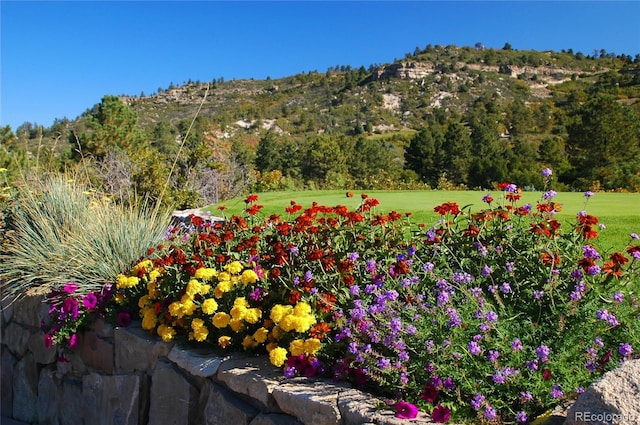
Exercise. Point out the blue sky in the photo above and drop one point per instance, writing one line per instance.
(60, 58)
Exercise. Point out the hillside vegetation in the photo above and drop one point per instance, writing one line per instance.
(441, 117)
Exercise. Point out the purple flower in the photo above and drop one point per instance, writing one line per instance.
(618, 297)
(490, 413)
(498, 378)
(486, 270)
(538, 294)
(474, 348)
(625, 349)
(593, 270)
(588, 194)
(405, 410)
(521, 416)
(491, 316)
(487, 198)
(493, 355)
(549, 194)
(634, 236)
(556, 392)
(289, 372)
(526, 396)
(590, 252)
(256, 294)
(511, 188)
(454, 319)
(505, 288)
(354, 256)
(448, 383)
(546, 172)
(427, 267)
(516, 345)
(543, 353)
(477, 402)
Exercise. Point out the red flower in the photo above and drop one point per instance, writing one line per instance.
(447, 207)
(250, 199)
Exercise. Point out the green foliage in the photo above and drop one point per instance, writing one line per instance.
(63, 231)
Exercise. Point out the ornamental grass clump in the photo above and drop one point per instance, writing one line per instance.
(65, 236)
(493, 316)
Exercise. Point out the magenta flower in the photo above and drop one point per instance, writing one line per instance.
(73, 341)
(405, 410)
(90, 301)
(124, 319)
(70, 287)
(48, 340)
(441, 414)
(429, 393)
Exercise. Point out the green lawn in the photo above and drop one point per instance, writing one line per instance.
(619, 212)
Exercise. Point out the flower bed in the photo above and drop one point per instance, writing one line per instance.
(490, 316)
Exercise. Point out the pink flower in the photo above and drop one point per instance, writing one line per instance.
(405, 410)
(441, 414)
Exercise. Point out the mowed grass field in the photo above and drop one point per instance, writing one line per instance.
(618, 212)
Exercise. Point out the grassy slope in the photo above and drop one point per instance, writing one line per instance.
(619, 212)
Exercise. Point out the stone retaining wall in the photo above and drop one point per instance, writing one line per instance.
(125, 376)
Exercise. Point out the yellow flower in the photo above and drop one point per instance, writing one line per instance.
(312, 345)
(234, 267)
(197, 323)
(238, 312)
(205, 273)
(296, 347)
(152, 288)
(119, 298)
(222, 276)
(248, 343)
(279, 311)
(248, 276)
(209, 306)
(261, 335)
(188, 306)
(175, 309)
(288, 322)
(154, 275)
(302, 309)
(143, 301)
(144, 265)
(200, 331)
(252, 315)
(236, 325)
(271, 346)
(166, 332)
(124, 282)
(149, 320)
(205, 289)
(278, 356)
(220, 320)
(222, 288)
(224, 341)
(276, 333)
(193, 288)
(303, 324)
